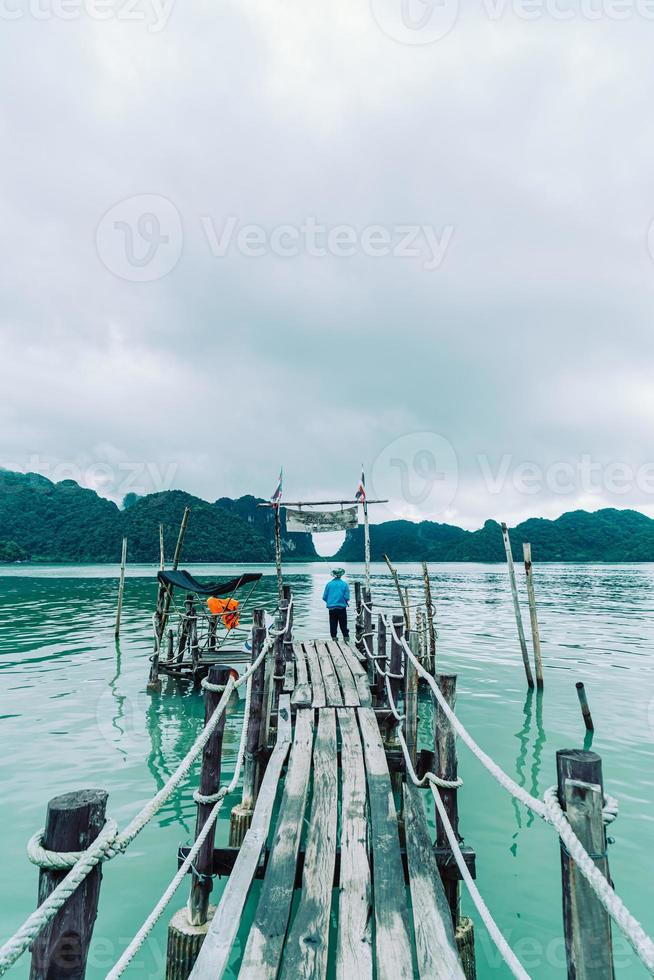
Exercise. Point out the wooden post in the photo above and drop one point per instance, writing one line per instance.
(431, 662)
(358, 626)
(60, 950)
(241, 815)
(162, 554)
(288, 632)
(446, 765)
(367, 646)
(516, 606)
(585, 707)
(380, 686)
(165, 593)
(366, 541)
(586, 924)
(278, 553)
(280, 642)
(535, 632)
(396, 657)
(403, 602)
(411, 702)
(121, 587)
(209, 784)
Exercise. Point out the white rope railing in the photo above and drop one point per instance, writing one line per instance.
(550, 811)
(110, 842)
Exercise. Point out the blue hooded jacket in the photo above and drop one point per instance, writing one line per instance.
(336, 594)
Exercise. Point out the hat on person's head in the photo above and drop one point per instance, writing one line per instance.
(338, 572)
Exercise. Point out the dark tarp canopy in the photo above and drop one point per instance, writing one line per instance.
(184, 580)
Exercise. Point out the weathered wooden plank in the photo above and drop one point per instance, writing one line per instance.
(214, 954)
(318, 699)
(354, 946)
(351, 697)
(306, 948)
(392, 935)
(289, 677)
(329, 676)
(437, 954)
(358, 672)
(263, 950)
(302, 694)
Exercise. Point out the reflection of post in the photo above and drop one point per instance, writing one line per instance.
(366, 542)
(121, 587)
(516, 606)
(278, 552)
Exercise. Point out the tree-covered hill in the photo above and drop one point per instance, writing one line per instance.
(45, 521)
(607, 535)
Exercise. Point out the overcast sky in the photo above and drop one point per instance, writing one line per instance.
(447, 275)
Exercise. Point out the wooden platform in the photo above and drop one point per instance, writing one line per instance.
(357, 921)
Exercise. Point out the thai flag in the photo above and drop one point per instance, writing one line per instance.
(277, 496)
(361, 492)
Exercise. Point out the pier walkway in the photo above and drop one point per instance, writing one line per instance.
(393, 915)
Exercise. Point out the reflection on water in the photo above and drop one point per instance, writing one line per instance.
(74, 712)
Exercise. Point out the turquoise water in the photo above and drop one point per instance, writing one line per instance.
(74, 714)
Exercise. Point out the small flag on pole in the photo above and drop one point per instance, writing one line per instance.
(360, 495)
(277, 496)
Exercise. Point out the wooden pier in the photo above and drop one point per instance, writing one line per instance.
(393, 916)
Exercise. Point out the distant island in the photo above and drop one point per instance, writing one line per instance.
(42, 521)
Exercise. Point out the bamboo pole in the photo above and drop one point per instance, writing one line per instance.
(411, 701)
(121, 588)
(162, 558)
(535, 632)
(431, 664)
(180, 537)
(516, 606)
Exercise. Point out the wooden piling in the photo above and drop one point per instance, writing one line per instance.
(367, 634)
(162, 555)
(411, 702)
(516, 606)
(431, 629)
(585, 707)
(586, 923)
(379, 685)
(241, 815)
(121, 588)
(209, 785)
(446, 766)
(358, 625)
(60, 950)
(535, 631)
(282, 641)
(403, 600)
(396, 657)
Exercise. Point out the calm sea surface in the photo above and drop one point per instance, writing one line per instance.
(74, 714)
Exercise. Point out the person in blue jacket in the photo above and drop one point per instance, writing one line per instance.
(336, 597)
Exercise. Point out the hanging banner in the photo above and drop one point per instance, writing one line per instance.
(321, 520)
